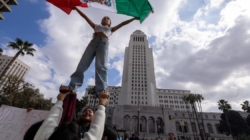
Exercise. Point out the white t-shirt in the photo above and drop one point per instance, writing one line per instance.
(105, 29)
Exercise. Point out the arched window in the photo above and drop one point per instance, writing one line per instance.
(143, 124)
(186, 127)
(193, 127)
(216, 127)
(126, 122)
(134, 123)
(178, 126)
(151, 125)
(210, 129)
(160, 125)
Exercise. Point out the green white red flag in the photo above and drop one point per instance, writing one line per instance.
(135, 8)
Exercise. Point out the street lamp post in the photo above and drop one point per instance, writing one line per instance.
(138, 128)
(138, 113)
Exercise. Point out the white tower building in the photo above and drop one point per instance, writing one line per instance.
(138, 80)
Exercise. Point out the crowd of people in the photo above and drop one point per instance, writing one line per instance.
(135, 136)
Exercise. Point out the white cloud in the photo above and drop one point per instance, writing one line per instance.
(91, 81)
(216, 3)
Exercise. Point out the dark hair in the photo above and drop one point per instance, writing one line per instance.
(109, 132)
(170, 133)
(109, 20)
(89, 108)
(79, 120)
(67, 131)
(31, 132)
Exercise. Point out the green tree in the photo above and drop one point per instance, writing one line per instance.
(237, 124)
(243, 137)
(245, 106)
(225, 107)
(1, 51)
(248, 120)
(16, 92)
(23, 48)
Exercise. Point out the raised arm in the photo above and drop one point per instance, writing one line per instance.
(85, 17)
(122, 24)
(97, 125)
(53, 119)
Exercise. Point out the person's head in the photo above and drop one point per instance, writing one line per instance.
(31, 132)
(171, 136)
(109, 132)
(86, 117)
(106, 21)
(67, 131)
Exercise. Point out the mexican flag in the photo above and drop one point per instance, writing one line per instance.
(134, 8)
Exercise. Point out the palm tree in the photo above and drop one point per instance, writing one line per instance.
(1, 51)
(192, 99)
(23, 48)
(184, 98)
(200, 98)
(225, 107)
(245, 106)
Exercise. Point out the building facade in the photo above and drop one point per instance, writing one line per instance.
(18, 68)
(139, 105)
(5, 6)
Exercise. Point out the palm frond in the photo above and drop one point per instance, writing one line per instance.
(30, 53)
(13, 45)
(27, 44)
(19, 42)
(22, 53)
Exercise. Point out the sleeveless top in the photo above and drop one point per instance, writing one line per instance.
(104, 29)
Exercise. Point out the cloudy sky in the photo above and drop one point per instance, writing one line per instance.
(198, 45)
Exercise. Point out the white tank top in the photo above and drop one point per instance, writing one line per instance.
(105, 29)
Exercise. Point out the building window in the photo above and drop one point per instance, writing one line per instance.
(216, 127)
(210, 129)
(178, 126)
(193, 127)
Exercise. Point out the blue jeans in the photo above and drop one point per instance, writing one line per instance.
(98, 47)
